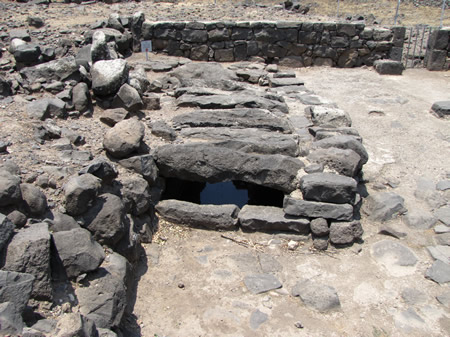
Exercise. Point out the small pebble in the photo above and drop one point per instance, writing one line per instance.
(299, 325)
(293, 245)
(181, 285)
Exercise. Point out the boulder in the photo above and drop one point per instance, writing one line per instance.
(441, 109)
(85, 256)
(224, 217)
(6, 231)
(388, 67)
(265, 218)
(15, 288)
(106, 219)
(81, 98)
(128, 98)
(11, 322)
(144, 165)
(74, 324)
(328, 187)
(345, 162)
(10, 193)
(317, 295)
(99, 47)
(29, 252)
(27, 53)
(136, 194)
(124, 138)
(108, 76)
(233, 118)
(34, 199)
(80, 192)
(321, 115)
(58, 70)
(384, 206)
(61, 222)
(343, 233)
(314, 209)
(220, 164)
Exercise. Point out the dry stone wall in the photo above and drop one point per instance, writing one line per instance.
(289, 43)
(438, 50)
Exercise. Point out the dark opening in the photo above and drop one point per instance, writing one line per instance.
(228, 192)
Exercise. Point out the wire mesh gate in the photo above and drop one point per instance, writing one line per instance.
(415, 46)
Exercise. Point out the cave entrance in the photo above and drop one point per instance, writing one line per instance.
(234, 192)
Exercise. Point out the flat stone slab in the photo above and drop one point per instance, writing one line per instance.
(287, 81)
(190, 214)
(204, 162)
(265, 218)
(328, 187)
(246, 140)
(439, 272)
(384, 206)
(317, 295)
(439, 252)
(441, 109)
(398, 259)
(443, 214)
(257, 318)
(233, 118)
(315, 209)
(261, 283)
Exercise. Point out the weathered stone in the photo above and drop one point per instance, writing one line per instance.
(317, 295)
(6, 230)
(219, 164)
(419, 219)
(319, 227)
(27, 53)
(246, 140)
(128, 97)
(388, 67)
(57, 70)
(74, 324)
(321, 115)
(237, 118)
(344, 142)
(320, 242)
(443, 185)
(101, 169)
(194, 215)
(136, 195)
(257, 318)
(29, 252)
(144, 165)
(392, 252)
(384, 206)
(328, 187)
(124, 138)
(443, 214)
(444, 299)
(439, 252)
(343, 233)
(47, 107)
(61, 222)
(108, 76)
(113, 116)
(106, 219)
(163, 130)
(261, 283)
(15, 288)
(34, 199)
(441, 109)
(313, 209)
(11, 323)
(79, 193)
(81, 98)
(439, 272)
(99, 47)
(10, 193)
(151, 101)
(265, 218)
(281, 82)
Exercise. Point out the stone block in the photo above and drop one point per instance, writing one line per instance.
(388, 67)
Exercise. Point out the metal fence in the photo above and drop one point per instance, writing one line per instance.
(415, 46)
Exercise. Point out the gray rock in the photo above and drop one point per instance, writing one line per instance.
(46, 108)
(11, 322)
(15, 288)
(346, 162)
(104, 299)
(439, 272)
(19, 219)
(136, 195)
(29, 252)
(161, 129)
(441, 109)
(138, 79)
(151, 101)
(314, 209)
(444, 299)
(34, 199)
(208, 216)
(319, 227)
(320, 242)
(399, 254)
(14, 44)
(99, 47)
(413, 296)
(61, 222)
(344, 142)
(83, 57)
(234, 118)
(443, 239)
(144, 165)
(101, 169)
(19, 34)
(5, 90)
(388, 67)
(389, 231)
(108, 76)
(27, 53)
(265, 218)
(10, 193)
(439, 252)
(419, 219)
(257, 318)
(81, 98)
(327, 116)
(246, 140)
(261, 283)
(409, 321)
(124, 138)
(113, 116)
(328, 187)
(317, 295)
(58, 70)
(6, 230)
(106, 333)
(439, 229)
(74, 324)
(443, 214)
(35, 21)
(282, 82)
(80, 192)
(343, 233)
(384, 206)
(128, 98)
(443, 185)
(106, 219)
(220, 164)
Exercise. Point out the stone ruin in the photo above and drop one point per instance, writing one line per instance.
(239, 127)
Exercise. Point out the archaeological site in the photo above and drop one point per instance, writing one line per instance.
(203, 168)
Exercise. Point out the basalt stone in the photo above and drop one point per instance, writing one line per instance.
(34, 199)
(344, 142)
(128, 97)
(57, 70)
(113, 116)
(317, 295)
(328, 187)
(136, 194)
(319, 227)
(163, 130)
(343, 233)
(99, 47)
(209, 216)
(221, 164)
(101, 169)
(314, 209)
(321, 115)
(124, 138)
(144, 165)
(261, 283)
(265, 218)
(108, 76)
(388, 67)
(11, 322)
(27, 53)
(6, 230)
(61, 222)
(15, 288)
(441, 109)
(10, 193)
(384, 206)
(346, 162)
(74, 324)
(79, 193)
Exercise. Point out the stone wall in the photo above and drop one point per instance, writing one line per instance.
(437, 56)
(291, 43)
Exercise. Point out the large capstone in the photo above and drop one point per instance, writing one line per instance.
(108, 76)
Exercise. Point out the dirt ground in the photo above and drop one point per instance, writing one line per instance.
(193, 280)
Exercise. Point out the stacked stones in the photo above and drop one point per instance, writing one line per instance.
(437, 56)
(293, 43)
